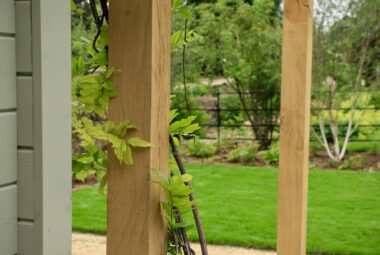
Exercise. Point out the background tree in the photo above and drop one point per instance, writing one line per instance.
(242, 42)
(346, 62)
(276, 6)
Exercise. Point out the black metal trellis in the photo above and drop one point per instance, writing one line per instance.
(218, 124)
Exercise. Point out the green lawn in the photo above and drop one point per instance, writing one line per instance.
(238, 207)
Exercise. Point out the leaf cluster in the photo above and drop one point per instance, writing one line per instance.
(176, 205)
(92, 90)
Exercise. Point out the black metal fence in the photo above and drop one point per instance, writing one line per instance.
(216, 121)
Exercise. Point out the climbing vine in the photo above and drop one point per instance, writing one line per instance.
(92, 90)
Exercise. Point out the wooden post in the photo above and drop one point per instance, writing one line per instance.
(139, 44)
(295, 121)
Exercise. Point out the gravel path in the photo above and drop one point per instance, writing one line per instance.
(87, 244)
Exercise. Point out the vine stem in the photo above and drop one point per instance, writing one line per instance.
(197, 218)
(185, 239)
(184, 68)
(104, 6)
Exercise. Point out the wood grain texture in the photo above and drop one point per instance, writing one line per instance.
(294, 132)
(140, 48)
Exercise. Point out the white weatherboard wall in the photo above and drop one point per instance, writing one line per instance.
(35, 153)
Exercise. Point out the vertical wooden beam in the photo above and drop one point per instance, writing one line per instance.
(295, 121)
(139, 44)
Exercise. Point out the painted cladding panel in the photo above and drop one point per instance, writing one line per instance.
(8, 136)
(52, 129)
(25, 198)
(24, 111)
(8, 220)
(25, 238)
(8, 148)
(7, 16)
(25, 185)
(7, 73)
(23, 37)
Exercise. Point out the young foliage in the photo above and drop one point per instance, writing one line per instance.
(92, 90)
(181, 127)
(176, 203)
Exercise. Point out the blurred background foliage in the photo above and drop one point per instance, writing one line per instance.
(228, 70)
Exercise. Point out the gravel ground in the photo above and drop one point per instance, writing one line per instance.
(87, 244)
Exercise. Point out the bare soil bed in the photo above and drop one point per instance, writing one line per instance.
(89, 244)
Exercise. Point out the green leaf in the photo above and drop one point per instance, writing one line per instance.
(102, 185)
(185, 12)
(186, 177)
(138, 142)
(85, 160)
(177, 125)
(176, 141)
(73, 6)
(128, 156)
(91, 148)
(81, 175)
(191, 128)
(102, 58)
(172, 115)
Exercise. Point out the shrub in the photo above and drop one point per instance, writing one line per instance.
(271, 156)
(202, 149)
(178, 102)
(353, 163)
(232, 117)
(332, 163)
(369, 147)
(226, 145)
(246, 153)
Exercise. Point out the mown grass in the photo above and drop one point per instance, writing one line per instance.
(239, 206)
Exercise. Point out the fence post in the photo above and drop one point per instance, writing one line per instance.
(218, 115)
(139, 46)
(295, 127)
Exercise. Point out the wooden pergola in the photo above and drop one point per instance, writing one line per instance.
(35, 131)
(140, 47)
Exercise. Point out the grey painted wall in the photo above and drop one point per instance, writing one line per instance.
(51, 125)
(35, 131)
(8, 134)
